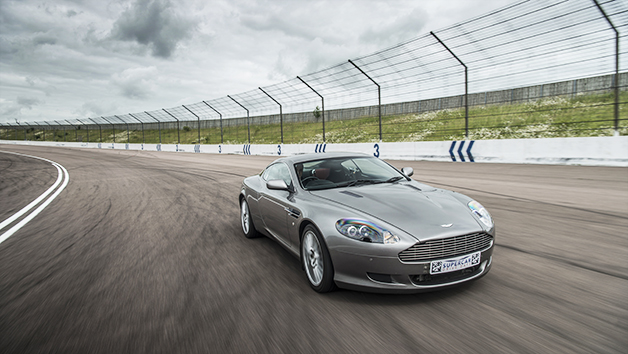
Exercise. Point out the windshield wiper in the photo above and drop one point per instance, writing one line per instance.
(356, 182)
(391, 180)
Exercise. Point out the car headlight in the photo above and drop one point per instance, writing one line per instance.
(365, 231)
(481, 212)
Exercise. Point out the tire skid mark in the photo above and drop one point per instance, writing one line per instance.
(48, 266)
(7, 167)
(35, 202)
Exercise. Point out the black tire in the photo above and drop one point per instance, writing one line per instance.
(316, 261)
(246, 222)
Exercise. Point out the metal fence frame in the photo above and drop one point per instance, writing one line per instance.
(525, 44)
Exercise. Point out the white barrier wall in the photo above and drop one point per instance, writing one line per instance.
(595, 151)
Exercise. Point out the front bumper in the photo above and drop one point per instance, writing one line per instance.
(388, 274)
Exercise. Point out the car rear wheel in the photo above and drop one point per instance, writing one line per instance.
(316, 261)
(245, 220)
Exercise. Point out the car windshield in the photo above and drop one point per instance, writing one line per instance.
(344, 172)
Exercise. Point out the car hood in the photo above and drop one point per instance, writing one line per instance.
(424, 213)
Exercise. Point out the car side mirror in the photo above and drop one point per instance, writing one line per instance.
(278, 184)
(408, 171)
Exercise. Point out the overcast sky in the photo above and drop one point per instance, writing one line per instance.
(67, 59)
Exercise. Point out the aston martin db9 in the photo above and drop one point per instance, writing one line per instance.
(356, 222)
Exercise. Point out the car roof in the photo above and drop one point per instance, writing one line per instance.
(319, 156)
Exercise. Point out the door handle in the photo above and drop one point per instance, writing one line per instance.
(293, 212)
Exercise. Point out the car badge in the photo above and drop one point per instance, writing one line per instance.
(447, 225)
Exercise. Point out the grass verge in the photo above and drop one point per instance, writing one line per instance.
(585, 115)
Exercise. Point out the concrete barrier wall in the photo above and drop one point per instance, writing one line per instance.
(592, 151)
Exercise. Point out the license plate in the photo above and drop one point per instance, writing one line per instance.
(453, 264)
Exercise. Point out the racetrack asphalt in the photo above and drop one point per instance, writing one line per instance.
(143, 253)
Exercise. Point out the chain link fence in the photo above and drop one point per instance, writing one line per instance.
(535, 68)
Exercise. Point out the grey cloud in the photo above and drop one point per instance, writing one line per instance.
(9, 109)
(153, 23)
(136, 83)
(281, 70)
(277, 23)
(71, 13)
(12, 109)
(90, 109)
(28, 102)
(401, 29)
(44, 39)
(7, 47)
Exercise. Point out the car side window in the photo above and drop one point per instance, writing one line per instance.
(278, 171)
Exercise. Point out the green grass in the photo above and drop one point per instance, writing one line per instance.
(585, 115)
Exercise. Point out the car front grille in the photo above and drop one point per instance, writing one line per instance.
(446, 247)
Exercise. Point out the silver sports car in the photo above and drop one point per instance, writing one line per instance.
(356, 222)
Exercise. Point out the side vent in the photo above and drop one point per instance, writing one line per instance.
(351, 194)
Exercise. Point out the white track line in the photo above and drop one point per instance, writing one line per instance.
(62, 173)
(34, 202)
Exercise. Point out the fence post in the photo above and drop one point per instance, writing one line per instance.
(322, 104)
(178, 128)
(64, 139)
(23, 129)
(75, 130)
(113, 127)
(42, 130)
(616, 81)
(33, 133)
(127, 129)
(280, 112)
(379, 98)
(220, 114)
(26, 131)
(248, 124)
(466, 87)
(54, 132)
(142, 123)
(99, 129)
(158, 125)
(86, 127)
(199, 123)
(18, 125)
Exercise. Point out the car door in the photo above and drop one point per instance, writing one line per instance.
(273, 203)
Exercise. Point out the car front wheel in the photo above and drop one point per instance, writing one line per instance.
(316, 261)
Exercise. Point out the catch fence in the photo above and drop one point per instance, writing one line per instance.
(535, 68)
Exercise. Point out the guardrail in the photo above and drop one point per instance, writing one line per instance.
(592, 151)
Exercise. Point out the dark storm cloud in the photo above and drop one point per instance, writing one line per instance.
(153, 23)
